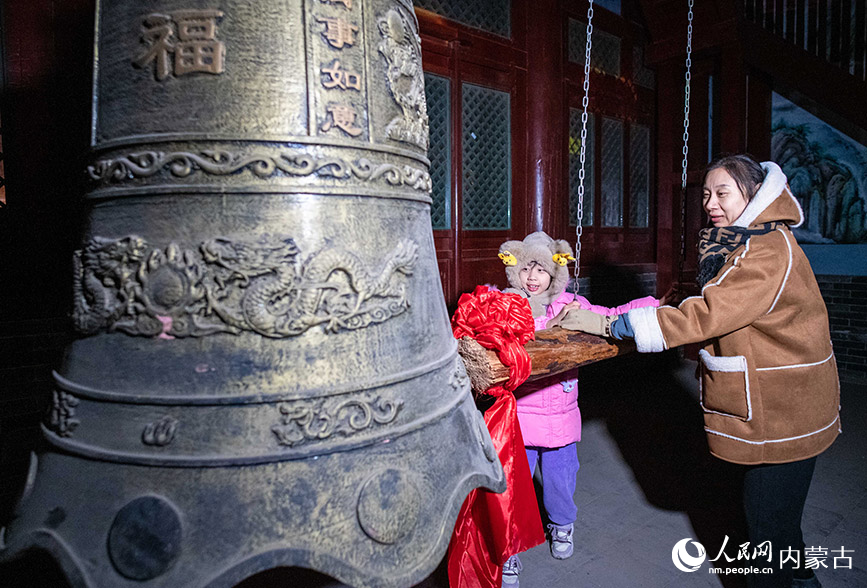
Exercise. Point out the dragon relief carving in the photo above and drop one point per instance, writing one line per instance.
(401, 48)
(228, 286)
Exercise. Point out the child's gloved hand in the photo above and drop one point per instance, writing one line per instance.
(566, 308)
(587, 321)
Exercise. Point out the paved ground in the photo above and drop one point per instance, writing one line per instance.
(646, 482)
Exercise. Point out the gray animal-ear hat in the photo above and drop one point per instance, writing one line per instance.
(552, 255)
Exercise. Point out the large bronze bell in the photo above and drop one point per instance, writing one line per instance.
(266, 375)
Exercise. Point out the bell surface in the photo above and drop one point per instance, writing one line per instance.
(266, 375)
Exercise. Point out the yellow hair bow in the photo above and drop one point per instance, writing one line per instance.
(562, 258)
(508, 258)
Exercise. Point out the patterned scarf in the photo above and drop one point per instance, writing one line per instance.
(716, 243)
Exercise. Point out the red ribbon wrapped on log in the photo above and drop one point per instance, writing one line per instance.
(493, 527)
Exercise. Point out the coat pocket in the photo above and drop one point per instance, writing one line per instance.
(725, 386)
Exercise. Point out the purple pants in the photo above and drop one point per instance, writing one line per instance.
(559, 467)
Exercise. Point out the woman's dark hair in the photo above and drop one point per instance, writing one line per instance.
(746, 172)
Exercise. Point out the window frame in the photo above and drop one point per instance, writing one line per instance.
(620, 98)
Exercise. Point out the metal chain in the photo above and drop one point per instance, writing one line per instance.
(685, 147)
(579, 230)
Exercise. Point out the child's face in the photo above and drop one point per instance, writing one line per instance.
(534, 279)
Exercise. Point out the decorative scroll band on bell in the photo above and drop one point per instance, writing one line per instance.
(276, 432)
(201, 431)
(260, 163)
(230, 286)
(320, 419)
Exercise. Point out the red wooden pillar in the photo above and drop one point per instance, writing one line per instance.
(759, 105)
(545, 132)
(733, 94)
(667, 203)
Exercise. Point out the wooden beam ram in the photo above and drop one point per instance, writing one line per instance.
(552, 352)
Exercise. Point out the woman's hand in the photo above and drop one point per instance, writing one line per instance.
(673, 297)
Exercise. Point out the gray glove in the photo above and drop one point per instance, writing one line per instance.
(587, 321)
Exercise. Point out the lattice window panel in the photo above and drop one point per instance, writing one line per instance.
(487, 158)
(437, 90)
(605, 53)
(577, 42)
(639, 176)
(575, 167)
(493, 16)
(644, 76)
(612, 173)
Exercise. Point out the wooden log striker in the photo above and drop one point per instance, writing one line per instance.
(552, 352)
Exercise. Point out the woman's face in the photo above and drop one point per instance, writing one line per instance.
(723, 201)
(534, 279)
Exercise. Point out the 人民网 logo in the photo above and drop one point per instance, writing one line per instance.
(683, 560)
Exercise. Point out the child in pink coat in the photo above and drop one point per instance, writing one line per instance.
(548, 409)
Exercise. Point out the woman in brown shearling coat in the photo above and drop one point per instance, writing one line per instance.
(769, 387)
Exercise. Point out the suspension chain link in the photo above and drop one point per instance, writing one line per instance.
(685, 147)
(579, 230)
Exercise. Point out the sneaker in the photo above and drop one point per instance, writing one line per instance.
(561, 540)
(511, 569)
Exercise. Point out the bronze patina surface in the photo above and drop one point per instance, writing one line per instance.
(265, 374)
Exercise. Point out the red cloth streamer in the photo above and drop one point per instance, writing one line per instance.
(493, 527)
